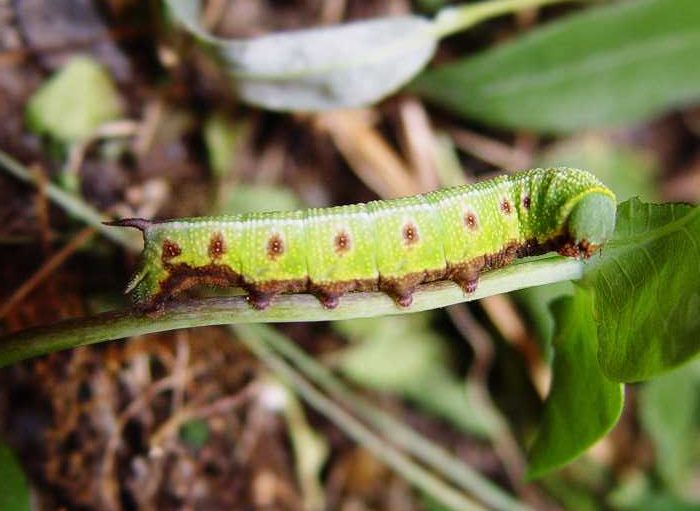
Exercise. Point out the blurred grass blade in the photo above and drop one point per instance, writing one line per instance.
(14, 491)
(402, 435)
(404, 355)
(70, 203)
(311, 449)
(322, 68)
(383, 450)
(611, 65)
(647, 290)
(583, 404)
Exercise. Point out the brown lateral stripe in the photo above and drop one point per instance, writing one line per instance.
(183, 276)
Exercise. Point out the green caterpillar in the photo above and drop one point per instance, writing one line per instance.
(390, 245)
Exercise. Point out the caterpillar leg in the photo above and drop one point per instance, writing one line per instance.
(259, 300)
(328, 300)
(401, 289)
(467, 280)
(329, 293)
(404, 299)
(581, 250)
(260, 294)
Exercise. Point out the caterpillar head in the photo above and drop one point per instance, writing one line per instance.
(592, 220)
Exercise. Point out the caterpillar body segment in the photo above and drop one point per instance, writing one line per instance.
(391, 245)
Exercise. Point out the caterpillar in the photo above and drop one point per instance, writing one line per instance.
(386, 245)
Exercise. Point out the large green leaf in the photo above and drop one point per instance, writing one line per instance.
(611, 65)
(583, 405)
(14, 492)
(647, 290)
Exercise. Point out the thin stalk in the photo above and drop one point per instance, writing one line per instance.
(403, 465)
(403, 436)
(229, 310)
(455, 19)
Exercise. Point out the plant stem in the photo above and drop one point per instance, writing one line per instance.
(403, 436)
(455, 19)
(218, 311)
(403, 465)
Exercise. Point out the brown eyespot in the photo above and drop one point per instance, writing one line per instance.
(170, 250)
(275, 247)
(471, 221)
(217, 246)
(506, 207)
(410, 234)
(341, 242)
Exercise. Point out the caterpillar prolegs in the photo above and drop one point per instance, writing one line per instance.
(387, 245)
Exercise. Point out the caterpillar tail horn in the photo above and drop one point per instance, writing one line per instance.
(138, 223)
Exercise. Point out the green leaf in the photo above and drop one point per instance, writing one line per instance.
(75, 102)
(14, 492)
(613, 65)
(647, 290)
(668, 408)
(583, 405)
(316, 69)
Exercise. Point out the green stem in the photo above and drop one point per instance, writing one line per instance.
(455, 19)
(70, 203)
(403, 465)
(403, 436)
(218, 311)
